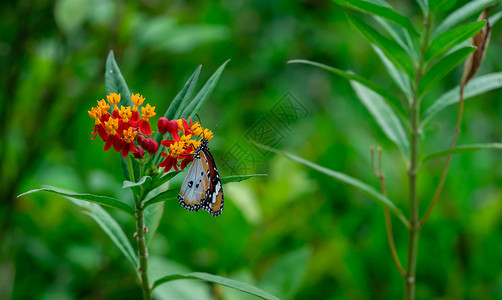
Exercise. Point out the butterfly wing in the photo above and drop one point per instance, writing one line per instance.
(213, 203)
(196, 184)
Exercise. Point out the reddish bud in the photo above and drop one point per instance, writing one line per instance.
(153, 146)
(140, 138)
(144, 143)
(139, 154)
(162, 125)
(172, 127)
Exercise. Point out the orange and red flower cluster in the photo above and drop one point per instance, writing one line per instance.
(126, 131)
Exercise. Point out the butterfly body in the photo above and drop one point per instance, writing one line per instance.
(202, 187)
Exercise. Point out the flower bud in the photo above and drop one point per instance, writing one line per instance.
(173, 127)
(139, 154)
(162, 125)
(144, 143)
(140, 138)
(153, 146)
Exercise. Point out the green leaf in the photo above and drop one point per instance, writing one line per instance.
(401, 36)
(164, 178)
(176, 106)
(475, 87)
(237, 178)
(191, 109)
(390, 98)
(103, 200)
(424, 6)
(381, 11)
(285, 276)
(152, 217)
(471, 8)
(391, 49)
(441, 5)
(443, 67)
(344, 178)
(241, 286)
(462, 149)
(182, 98)
(401, 79)
(138, 188)
(173, 192)
(110, 227)
(163, 196)
(384, 116)
(449, 39)
(115, 82)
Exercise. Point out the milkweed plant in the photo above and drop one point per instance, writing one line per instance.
(150, 158)
(416, 61)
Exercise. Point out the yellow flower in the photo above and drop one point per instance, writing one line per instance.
(147, 112)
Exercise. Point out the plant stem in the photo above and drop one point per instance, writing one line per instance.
(388, 223)
(142, 251)
(411, 265)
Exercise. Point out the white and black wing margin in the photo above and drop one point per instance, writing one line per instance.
(196, 185)
(213, 203)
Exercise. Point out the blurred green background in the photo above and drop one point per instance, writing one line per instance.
(296, 233)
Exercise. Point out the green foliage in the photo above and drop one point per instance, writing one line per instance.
(449, 39)
(103, 200)
(462, 149)
(52, 69)
(391, 49)
(219, 280)
(381, 11)
(110, 227)
(384, 116)
(369, 190)
(477, 86)
(443, 67)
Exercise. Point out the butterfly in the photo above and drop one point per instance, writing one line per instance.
(202, 187)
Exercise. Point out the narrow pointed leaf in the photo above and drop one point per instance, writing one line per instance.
(110, 227)
(456, 17)
(191, 109)
(401, 36)
(389, 98)
(115, 82)
(449, 39)
(441, 5)
(172, 193)
(241, 286)
(238, 178)
(175, 108)
(381, 11)
(401, 79)
(475, 87)
(391, 49)
(163, 178)
(443, 67)
(423, 6)
(152, 216)
(103, 200)
(462, 149)
(182, 99)
(344, 178)
(384, 116)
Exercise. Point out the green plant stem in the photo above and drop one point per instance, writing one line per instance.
(411, 265)
(142, 251)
